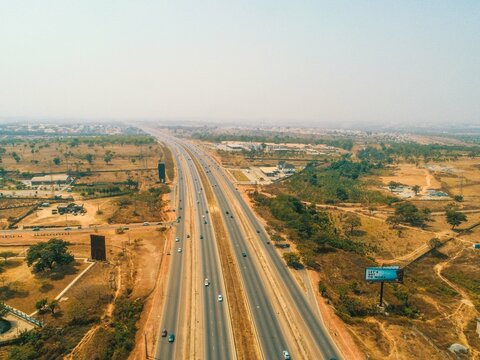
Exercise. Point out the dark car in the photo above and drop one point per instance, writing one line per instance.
(258, 231)
(171, 338)
(164, 333)
(244, 254)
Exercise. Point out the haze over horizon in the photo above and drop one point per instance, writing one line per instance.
(315, 62)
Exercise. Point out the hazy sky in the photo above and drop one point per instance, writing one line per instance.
(320, 61)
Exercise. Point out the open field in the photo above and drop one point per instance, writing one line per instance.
(382, 241)
(74, 158)
(411, 175)
(238, 175)
(22, 289)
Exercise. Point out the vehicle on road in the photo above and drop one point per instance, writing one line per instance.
(67, 228)
(205, 222)
(220, 298)
(179, 250)
(171, 338)
(201, 237)
(188, 236)
(244, 254)
(286, 355)
(258, 231)
(207, 282)
(146, 223)
(177, 239)
(36, 229)
(164, 333)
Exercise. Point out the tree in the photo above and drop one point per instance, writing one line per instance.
(458, 198)
(45, 256)
(6, 254)
(409, 214)
(455, 217)
(416, 189)
(16, 157)
(56, 160)
(108, 156)
(41, 304)
(89, 158)
(53, 305)
(351, 221)
(292, 259)
(393, 220)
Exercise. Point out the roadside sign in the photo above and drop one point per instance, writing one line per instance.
(380, 274)
(476, 246)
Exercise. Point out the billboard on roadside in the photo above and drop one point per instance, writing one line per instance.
(386, 274)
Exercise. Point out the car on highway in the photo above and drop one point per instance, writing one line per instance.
(207, 282)
(36, 228)
(179, 250)
(205, 222)
(286, 355)
(244, 254)
(220, 297)
(146, 223)
(177, 239)
(67, 228)
(258, 231)
(164, 333)
(171, 338)
(201, 237)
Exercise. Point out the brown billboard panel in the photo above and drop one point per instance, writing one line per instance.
(97, 246)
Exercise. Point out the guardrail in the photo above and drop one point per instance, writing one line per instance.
(24, 316)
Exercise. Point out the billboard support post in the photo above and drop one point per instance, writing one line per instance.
(381, 294)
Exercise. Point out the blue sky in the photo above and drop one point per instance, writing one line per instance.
(315, 61)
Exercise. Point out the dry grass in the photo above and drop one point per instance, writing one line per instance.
(238, 175)
(125, 157)
(28, 288)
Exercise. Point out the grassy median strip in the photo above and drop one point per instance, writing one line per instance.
(244, 336)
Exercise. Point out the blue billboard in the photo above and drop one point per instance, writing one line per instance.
(390, 273)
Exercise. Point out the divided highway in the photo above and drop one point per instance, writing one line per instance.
(216, 330)
(317, 329)
(273, 338)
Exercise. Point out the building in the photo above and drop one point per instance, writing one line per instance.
(53, 179)
(270, 171)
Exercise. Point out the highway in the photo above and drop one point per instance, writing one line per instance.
(317, 330)
(217, 334)
(171, 313)
(272, 337)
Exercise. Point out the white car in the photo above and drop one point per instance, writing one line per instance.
(179, 250)
(220, 298)
(286, 355)
(207, 282)
(177, 239)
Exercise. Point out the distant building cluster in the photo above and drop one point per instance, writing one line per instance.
(319, 149)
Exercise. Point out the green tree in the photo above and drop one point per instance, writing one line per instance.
(41, 304)
(351, 221)
(56, 160)
(458, 198)
(7, 254)
(455, 217)
(416, 189)
(89, 158)
(292, 259)
(108, 156)
(52, 305)
(44, 256)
